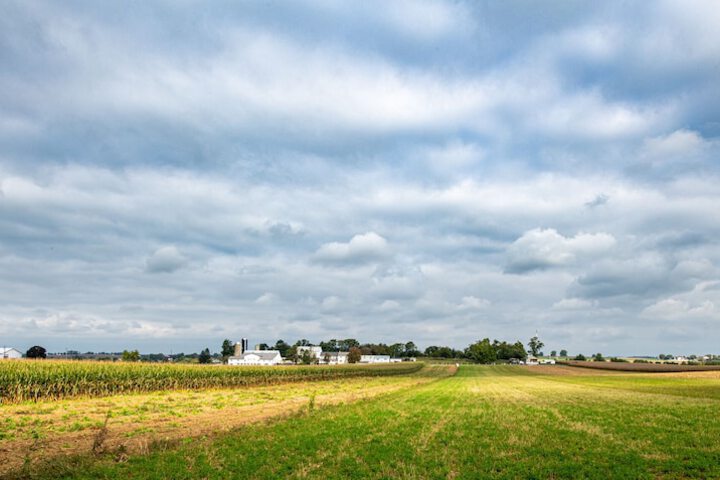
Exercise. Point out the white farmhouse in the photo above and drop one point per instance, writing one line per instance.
(256, 357)
(9, 353)
(374, 358)
(334, 358)
(531, 360)
(547, 361)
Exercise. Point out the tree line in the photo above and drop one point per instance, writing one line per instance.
(482, 351)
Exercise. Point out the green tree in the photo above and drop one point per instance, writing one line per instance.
(580, 357)
(535, 345)
(227, 349)
(354, 355)
(553, 353)
(282, 347)
(397, 350)
(307, 358)
(204, 356)
(330, 346)
(411, 350)
(36, 352)
(481, 351)
(563, 353)
(598, 357)
(130, 356)
(347, 344)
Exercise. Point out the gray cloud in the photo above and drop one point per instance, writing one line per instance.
(165, 260)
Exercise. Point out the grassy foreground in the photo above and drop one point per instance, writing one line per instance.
(498, 422)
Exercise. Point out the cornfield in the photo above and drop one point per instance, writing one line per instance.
(33, 380)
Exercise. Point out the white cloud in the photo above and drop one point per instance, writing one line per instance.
(473, 303)
(675, 309)
(266, 298)
(574, 304)
(540, 248)
(361, 248)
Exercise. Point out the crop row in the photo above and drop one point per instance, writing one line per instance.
(51, 380)
(641, 367)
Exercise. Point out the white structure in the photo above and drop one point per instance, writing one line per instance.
(315, 352)
(374, 358)
(334, 358)
(681, 359)
(531, 360)
(547, 361)
(9, 353)
(256, 357)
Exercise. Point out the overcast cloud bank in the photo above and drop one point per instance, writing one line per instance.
(172, 175)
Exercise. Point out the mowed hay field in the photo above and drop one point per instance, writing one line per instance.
(483, 422)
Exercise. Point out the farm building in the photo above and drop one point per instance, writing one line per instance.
(531, 360)
(334, 358)
(547, 361)
(256, 357)
(375, 359)
(315, 352)
(8, 353)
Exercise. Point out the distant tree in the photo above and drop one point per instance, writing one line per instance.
(292, 354)
(347, 344)
(36, 352)
(303, 343)
(397, 350)
(227, 349)
(354, 355)
(411, 350)
(329, 346)
(580, 357)
(307, 358)
(282, 347)
(432, 351)
(563, 353)
(598, 357)
(481, 351)
(535, 345)
(204, 356)
(263, 346)
(326, 357)
(130, 356)
(553, 353)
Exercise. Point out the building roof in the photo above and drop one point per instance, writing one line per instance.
(336, 354)
(261, 354)
(4, 350)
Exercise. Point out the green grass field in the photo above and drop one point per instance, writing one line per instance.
(484, 422)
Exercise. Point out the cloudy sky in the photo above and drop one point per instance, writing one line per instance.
(175, 173)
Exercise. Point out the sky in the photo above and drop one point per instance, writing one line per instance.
(173, 173)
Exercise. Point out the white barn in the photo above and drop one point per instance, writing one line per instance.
(8, 353)
(374, 358)
(531, 360)
(256, 357)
